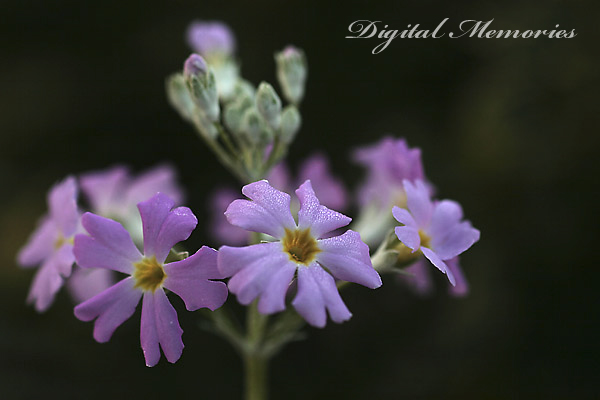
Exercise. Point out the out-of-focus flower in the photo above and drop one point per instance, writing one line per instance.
(210, 37)
(84, 283)
(388, 162)
(329, 189)
(114, 193)
(109, 246)
(214, 41)
(265, 270)
(51, 245)
(435, 229)
(420, 279)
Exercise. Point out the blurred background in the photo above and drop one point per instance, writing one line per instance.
(508, 127)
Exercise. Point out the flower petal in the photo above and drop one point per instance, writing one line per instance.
(419, 202)
(255, 267)
(189, 279)
(329, 189)
(439, 264)
(268, 212)
(317, 292)
(462, 286)
(46, 283)
(148, 332)
(62, 202)
(109, 245)
(158, 179)
(272, 299)
(403, 216)
(40, 244)
(409, 236)
(163, 227)
(85, 283)
(446, 214)
(347, 257)
(63, 259)
(279, 177)
(159, 326)
(420, 282)
(167, 326)
(312, 215)
(104, 190)
(112, 307)
(231, 260)
(458, 239)
(221, 228)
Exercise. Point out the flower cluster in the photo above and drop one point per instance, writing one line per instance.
(292, 253)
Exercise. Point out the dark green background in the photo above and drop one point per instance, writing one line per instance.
(508, 127)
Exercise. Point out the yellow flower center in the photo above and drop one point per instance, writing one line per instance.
(425, 239)
(405, 254)
(60, 240)
(148, 274)
(300, 245)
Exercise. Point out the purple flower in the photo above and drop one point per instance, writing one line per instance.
(328, 188)
(265, 270)
(51, 245)
(222, 230)
(389, 162)
(85, 283)
(421, 282)
(109, 246)
(434, 228)
(114, 193)
(207, 37)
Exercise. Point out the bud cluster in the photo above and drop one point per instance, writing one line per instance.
(247, 127)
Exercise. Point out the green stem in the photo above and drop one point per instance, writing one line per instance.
(256, 362)
(256, 376)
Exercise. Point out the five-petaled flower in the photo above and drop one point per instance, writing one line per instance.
(51, 245)
(435, 229)
(110, 246)
(265, 270)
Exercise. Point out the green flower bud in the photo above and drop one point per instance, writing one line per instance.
(291, 73)
(268, 104)
(243, 88)
(202, 86)
(255, 128)
(234, 111)
(290, 123)
(179, 97)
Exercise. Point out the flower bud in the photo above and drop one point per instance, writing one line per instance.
(254, 127)
(234, 111)
(179, 97)
(291, 73)
(268, 104)
(202, 86)
(194, 65)
(243, 88)
(290, 123)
